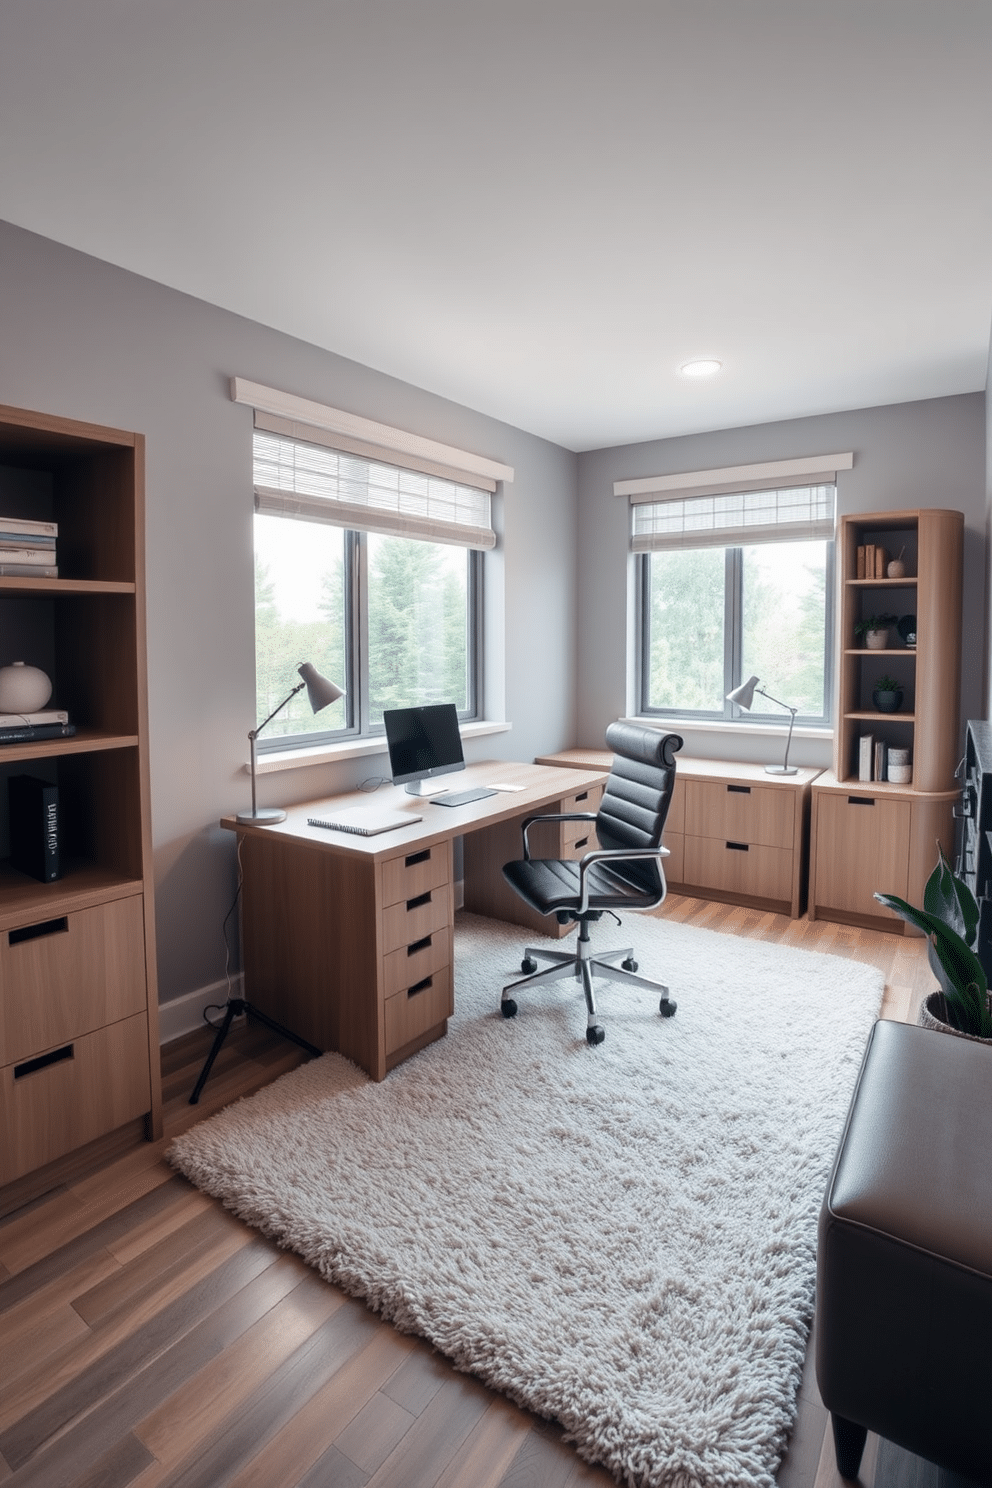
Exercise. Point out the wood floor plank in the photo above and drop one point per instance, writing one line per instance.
(30, 1318)
(35, 1345)
(118, 1467)
(374, 1433)
(543, 1458)
(486, 1453)
(144, 1236)
(308, 1438)
(436, 1435)
(418, 1381)
(191, 1414)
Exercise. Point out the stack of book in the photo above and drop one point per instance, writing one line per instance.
(873, 758)
(27, 549)
(22, 728)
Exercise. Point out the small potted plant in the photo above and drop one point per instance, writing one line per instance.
(887, 695)
(949, 919)
(874, 631)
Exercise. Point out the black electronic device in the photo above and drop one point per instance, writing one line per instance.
(423, 743)
(34, 827)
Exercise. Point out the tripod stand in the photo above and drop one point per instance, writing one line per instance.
(235, 1007)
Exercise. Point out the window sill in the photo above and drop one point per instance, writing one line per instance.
(353, 748)
(734, 726)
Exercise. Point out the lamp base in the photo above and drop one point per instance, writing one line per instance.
(781, 770)
(263, 817)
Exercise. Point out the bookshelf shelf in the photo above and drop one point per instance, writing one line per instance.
(77, 954)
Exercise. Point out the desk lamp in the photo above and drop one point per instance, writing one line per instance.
(321, 692)
(743, 696)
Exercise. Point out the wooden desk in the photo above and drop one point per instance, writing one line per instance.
(734, 833)
(348, 940)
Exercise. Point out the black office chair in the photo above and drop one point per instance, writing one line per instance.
(625, 872)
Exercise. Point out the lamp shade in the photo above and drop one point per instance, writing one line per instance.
(743, 696)
(320, 691)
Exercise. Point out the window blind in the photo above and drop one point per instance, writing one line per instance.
(734, 518)
(318, 483)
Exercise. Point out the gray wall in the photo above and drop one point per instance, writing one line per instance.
(926, 454)
(85, 340)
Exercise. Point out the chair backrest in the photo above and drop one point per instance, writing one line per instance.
(637, 794)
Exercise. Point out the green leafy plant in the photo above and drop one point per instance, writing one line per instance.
(888, 684)
(874, 622)
(949, 919)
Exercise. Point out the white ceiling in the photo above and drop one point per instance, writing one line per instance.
(538, 208)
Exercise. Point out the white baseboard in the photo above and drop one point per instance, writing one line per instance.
(185, 1014)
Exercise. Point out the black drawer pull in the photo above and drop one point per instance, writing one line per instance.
(420, 987)
(741, 790)
(418, 857)
(57, 1056)
(861, 800)
(35, 932)
(582, 842)
(737, 846)
(583, 797)
(418, 945)
(419, 902)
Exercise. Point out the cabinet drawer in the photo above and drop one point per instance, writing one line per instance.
(65, 977)
(584, 800)
(675, 820)
(578, 838)
(422, 1006)
(413, 962)
(739, 867)
(413, 873)
(75, 1093)
(674, 864)
(741, 813)
(862, 844)
(414, 918)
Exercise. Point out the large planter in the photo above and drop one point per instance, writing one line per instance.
(933, 1014)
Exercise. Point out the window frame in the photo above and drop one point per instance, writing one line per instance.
(733, 596)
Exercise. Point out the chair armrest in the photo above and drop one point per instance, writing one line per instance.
(626, 854)
(562, 816)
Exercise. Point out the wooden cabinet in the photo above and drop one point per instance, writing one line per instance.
(79, 1053)
(733, 832)
(876, 834)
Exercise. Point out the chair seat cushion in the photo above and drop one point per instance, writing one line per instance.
(549, 885)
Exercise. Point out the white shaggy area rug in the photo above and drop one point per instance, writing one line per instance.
(622, 1238)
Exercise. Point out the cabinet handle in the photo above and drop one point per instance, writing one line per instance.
(582, 842)
(420, 900)
(861, 800)
(583, 797)
(420, 987)
(419, 945)
(737, 846)
(43, 1061)
(418, 857)
(741, 790)
(35, 932)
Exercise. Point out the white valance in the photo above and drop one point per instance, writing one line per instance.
(767, 475)
(733, 519)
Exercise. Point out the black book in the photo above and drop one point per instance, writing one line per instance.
(26, 733)
(34, 826)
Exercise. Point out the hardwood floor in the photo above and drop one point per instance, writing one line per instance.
(150, 1338)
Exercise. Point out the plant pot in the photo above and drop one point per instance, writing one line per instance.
(887, 702)
(933, 1014)
(877, 640)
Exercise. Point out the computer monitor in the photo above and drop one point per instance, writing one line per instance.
(423, 743)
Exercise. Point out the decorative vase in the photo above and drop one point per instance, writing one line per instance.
(897, 569)
(887, 702)
(23, 689)
(877, 640)
(933, 1014)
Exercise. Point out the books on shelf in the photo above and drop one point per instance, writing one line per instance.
(881, 759)
(21, 527)
(28, 570)
(28, 733)
(25, 720)
(27, 549)
(34, 826)
(866, 756)
(23, 554)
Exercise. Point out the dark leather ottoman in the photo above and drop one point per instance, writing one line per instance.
(904, 1269)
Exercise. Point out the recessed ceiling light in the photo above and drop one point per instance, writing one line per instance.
(705, 367)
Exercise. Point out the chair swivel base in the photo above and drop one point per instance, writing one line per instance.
(581, 965)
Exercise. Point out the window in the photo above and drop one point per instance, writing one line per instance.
(732, 584)
(371, 571)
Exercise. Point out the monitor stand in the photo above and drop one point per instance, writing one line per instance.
(424, 788)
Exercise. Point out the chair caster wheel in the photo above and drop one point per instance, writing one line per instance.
(667, 1007)
(508, 1007)
(528, 965)
(630, 964)
(595, 1034)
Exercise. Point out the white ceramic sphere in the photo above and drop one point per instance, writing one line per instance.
(23, 689)
(896, 570)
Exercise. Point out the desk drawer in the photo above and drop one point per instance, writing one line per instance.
(578, 838)
(414, 918)
(65, 977)
(583, 800)
(413, 962)
(90, 1086)
(422, 1006)
(741, 813)
(739, 867)
(413, 873)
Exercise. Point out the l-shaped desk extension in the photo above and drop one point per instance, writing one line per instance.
(348, 940)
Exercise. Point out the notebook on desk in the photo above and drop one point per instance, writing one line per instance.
(364, 821)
